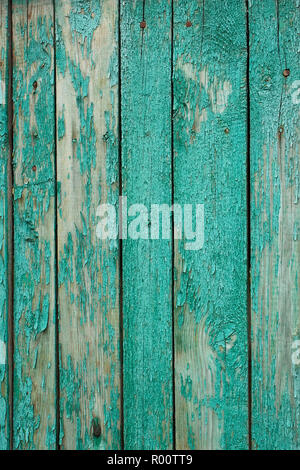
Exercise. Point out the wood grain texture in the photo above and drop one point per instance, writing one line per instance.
(4, 152)
(210, 168)
(147, 264)
(34, 250)
(88, 268)
(275, 218)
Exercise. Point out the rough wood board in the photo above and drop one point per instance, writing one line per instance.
(147, 264)
(275, 222)
(34, 251)
(88, 268)
(211, 388)
(4, 149)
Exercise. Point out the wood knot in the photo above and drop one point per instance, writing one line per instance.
(96, 428)
(35, 85)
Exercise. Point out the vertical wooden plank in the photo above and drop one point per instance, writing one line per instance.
(210, 57)
(147, 264)
(4, 151)
(275, 218)
(87, 174)
(34, 222)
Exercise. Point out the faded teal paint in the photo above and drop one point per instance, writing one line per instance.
(147, 264)
(4, 151)
(209, 83)
(211, 383)
(275, 258)
(84, 19)
(88, 268)
(33, 98)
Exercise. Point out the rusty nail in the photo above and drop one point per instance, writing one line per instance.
(143, 24)
(188, 24)
(226, 130)
(286, 72)
(34, 168)
(34, 84)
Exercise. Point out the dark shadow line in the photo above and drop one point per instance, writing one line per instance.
(173, 228)
(121, 335)
(10, 226)
(57, 368)
(248, 172)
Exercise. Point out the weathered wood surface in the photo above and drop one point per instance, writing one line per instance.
(210, 143)
(275, 219)
(4, 152)
(34, 225)
(147, 264)
(88, 268)
(125, 343)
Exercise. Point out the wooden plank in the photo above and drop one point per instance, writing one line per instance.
(275, 216)
(87, 174)
(4, 152)
(34, 222)
(147, 264)
(210, 168)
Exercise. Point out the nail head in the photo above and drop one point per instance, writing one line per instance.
(143, 24)
(188, 24)
(286, 72)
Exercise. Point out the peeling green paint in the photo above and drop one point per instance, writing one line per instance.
(33, 98)
(275, 257)
(88, 268)
(147, 264)
(208, 85)
(211, 374)
(4, 149)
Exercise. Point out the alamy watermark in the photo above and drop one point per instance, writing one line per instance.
(137, 222)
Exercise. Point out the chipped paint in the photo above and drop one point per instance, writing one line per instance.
(34, 297)
(87, 172)
(211, 382)
(147, 264)
(4, 149)
(275, 256)
(209, 162)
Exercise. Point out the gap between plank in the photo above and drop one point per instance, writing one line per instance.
(121, 335)
(10, 225)
(57, 369)
(248, 173)
(173, 227)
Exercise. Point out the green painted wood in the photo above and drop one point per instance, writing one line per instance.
(34, 222)
(4, 152)
(275, 215)
(210, 52)
(209, 144)
(88, 268)
(147, 264)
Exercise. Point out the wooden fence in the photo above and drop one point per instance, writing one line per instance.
(143, 344)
